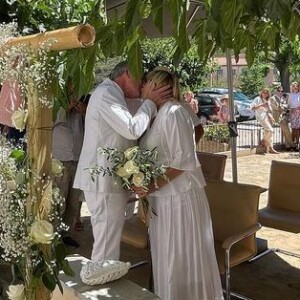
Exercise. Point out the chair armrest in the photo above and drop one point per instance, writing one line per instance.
(240, 236)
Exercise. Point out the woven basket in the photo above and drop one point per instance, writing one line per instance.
(103, 271)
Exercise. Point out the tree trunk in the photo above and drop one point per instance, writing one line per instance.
(285, 77)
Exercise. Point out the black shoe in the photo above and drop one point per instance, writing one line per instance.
(68, 241)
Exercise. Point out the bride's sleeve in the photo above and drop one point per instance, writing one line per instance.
(179, 137)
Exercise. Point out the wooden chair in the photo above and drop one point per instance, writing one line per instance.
(234, 214)
(283, 207)
(213, 165)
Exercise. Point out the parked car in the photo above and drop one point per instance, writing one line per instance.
(244, 112)
(209, 106)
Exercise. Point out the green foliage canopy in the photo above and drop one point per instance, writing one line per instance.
(225, 24)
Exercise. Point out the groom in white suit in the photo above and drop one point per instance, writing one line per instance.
(109, 124)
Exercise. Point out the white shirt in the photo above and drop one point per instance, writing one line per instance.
(172, 133)
(67, 136)
(294, 100)
(108, 123)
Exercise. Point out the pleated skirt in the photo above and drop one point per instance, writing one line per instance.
(182, 248)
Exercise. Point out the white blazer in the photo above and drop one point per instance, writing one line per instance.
(108, 123)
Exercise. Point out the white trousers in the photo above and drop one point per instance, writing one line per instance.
(107, 219)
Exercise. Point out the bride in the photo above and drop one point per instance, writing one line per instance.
(181, 237)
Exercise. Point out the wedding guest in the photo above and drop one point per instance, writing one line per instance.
(181, 236)
(224, 116)
(67, 139)
(190, 99)
(261, 106)
(294, 104)
(110, 124)
(279, 112)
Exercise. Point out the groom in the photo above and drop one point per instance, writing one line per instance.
(109, 124)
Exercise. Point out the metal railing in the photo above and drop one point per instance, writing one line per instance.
(250, 133)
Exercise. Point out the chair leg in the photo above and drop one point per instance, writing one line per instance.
(227, 275)
(151, 280)
(274, 250)
(236, 295)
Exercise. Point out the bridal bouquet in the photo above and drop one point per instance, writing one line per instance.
(135, 167)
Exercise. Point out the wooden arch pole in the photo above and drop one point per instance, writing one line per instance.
(80, 36)
(39, 123)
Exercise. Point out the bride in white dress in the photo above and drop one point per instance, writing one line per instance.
(181, 236)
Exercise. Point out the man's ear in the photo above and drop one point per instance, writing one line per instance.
(127, 73)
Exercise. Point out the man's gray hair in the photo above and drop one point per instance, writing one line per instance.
(118, 70)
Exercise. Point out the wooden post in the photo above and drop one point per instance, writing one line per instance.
(39, 131)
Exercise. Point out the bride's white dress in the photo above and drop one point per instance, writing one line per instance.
(181, 237)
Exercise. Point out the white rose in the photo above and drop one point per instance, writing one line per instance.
(138, 179)
(16, 292)
(42, 232)
(121, 172)
(131, 168)
(130, 152)
(57, 168)
(19, 119)
(11, 185)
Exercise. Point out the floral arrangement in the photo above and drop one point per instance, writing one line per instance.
(27, 231)
(24, 67)
(134, 166)
(30, 221)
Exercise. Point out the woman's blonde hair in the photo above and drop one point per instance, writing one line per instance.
(265, 90)
(295, 84)
(161, 77)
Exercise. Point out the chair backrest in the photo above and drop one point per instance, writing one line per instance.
(213, 165)
(233, 207)
(284, 185)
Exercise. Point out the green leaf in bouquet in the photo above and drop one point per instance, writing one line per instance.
(60, 251)
(67, 269)
(49, 281)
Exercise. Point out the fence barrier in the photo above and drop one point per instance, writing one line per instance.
(250, 133)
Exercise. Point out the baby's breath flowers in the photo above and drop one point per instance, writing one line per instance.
(28, 67)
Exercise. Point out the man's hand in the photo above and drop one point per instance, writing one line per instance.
(158, 96)
(80, 107)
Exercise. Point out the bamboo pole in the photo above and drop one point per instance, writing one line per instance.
(39, 137)
(80, 36)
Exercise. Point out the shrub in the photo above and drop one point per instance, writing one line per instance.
(218, 133)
